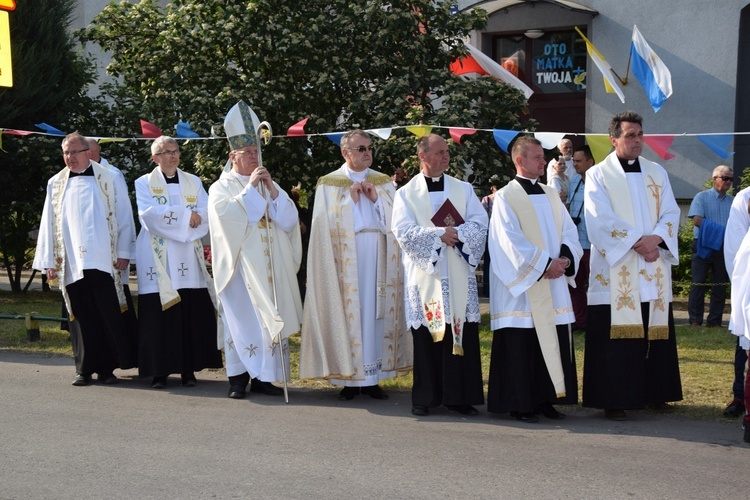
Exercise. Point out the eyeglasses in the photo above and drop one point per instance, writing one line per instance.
(724, 178)
(71, 153)
(362, 149)
(173, 152)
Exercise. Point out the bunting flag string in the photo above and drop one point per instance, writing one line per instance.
(717, 142)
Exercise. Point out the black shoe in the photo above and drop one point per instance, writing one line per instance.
(420, 411)
(523, 416)
(237, 392)
(735, 409)
(107, 378)
(616, 415)
(374, 391)
(348, 393)
(463, 409)
(549, 411)
(188, 380)
(265, 388)
(159, 383)
(81, 380)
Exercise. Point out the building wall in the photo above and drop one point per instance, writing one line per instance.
(697, 40)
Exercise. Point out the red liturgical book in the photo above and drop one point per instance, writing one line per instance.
(447, 216)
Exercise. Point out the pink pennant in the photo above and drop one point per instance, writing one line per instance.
(298, 129)
(660, 144)
(457, 133)
(150, 131)
(16, 132)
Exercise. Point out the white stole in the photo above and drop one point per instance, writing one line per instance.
(625, 297)
(430, 286)
(107, 193)
(540, 293)
(189, 191)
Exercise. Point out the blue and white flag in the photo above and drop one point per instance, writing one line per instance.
(650, 71)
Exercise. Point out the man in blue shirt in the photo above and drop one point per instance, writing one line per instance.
(710, 211)
(582, 161)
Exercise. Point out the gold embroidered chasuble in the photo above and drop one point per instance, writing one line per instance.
(331, 331)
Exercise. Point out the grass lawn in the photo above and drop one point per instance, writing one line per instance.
(706, 355)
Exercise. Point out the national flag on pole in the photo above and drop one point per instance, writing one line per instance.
(650, 71)
(478, 62)
(610, 82)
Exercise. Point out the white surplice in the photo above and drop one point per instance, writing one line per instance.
(737, 261)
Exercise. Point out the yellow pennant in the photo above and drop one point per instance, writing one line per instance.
(6, 70)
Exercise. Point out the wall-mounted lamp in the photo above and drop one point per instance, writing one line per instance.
(533, 34)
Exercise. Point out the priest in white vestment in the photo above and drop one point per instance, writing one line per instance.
(354, 332)
(256, 251)
(440, 259)
(535, 253)
(737, 259)
(176, 299)
(632, 220)
(85, 240)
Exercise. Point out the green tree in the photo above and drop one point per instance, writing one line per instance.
(50, 80)
(342, 64)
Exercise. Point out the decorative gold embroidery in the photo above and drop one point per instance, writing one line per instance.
(619, 234)
(192, 200)
(669, 229)
(158, 190)
(526, 271)
(655, 193)
(514, 314)
(645, 275)
(601, 280)
(624, 290)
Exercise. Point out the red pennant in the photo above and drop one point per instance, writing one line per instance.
(466, 65)
(298, 129)
(150, 131)
(16, 132)
(660, 144)
(457, 133)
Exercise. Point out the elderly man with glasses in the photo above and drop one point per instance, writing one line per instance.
(86, 239)
(354, 331)
(710, 211)
(176, 299)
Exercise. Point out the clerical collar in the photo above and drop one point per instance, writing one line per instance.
(531, 186)
(174, 179)
(630, 165)
(86, 173)
(434, 184)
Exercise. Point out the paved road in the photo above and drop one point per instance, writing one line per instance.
(129, 441)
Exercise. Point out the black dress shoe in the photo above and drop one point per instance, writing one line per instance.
(107, 378)
(616, 415)
(265, 388)
(374, 391)
(735, 409)
(463, 409)
(159, 383)
(549, 411)
(420, 411)
(237, 392)
(525, 416)
(188, 380)
(348, 393)
(81, 380)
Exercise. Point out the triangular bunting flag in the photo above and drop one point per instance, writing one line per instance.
(549, 140)
(419, 130)
(16, 132)
(298, 129)
(8, 4)
(660, 144)
(600, 146)
(383, 133)
(336, 137)
(504, 137)
(183, 130)
(149, 130)
(719, 144)
(457, 133)
(104, 140)
(49, 129)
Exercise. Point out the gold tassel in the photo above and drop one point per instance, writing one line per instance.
(626, 332)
